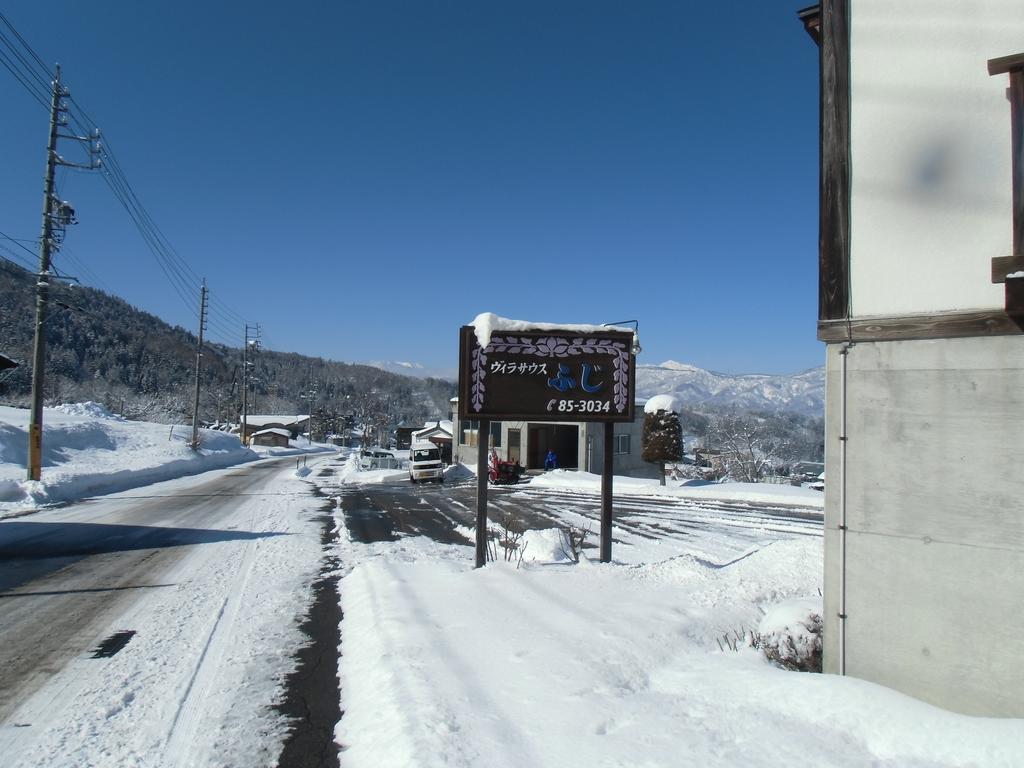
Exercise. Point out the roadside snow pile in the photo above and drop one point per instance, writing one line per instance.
(87, 451)
(95, 410)
(457, 472)
(790, 634)
(352, 474)
(545, 546)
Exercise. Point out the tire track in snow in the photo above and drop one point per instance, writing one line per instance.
(181, 736)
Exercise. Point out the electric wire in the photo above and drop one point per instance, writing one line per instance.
(26, 67)
(13, 69)
(14, 258)
(33, 74)
(32, 53)
(18, 243)
(83, 267)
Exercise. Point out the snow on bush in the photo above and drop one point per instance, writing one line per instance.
(790, 634)
(668, 403)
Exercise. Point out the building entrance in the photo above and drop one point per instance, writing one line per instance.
(563, 439)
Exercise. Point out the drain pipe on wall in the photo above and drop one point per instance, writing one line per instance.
(844, 352)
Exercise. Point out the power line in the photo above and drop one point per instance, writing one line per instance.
(83, 267)
(27, 47)
(32, 73)
(15, 259)
(26, 67)
(13, 69)
(18, 242)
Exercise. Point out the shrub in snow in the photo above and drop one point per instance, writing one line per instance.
(509, 537)
(789, 635)
(571, 538)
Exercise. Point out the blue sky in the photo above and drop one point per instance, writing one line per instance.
(362, 178)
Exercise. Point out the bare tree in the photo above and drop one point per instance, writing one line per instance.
(749, 448)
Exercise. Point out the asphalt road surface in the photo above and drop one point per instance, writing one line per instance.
(65, 575)
(384, 512)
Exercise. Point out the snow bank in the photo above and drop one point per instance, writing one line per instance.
(88, 408)
(87, 451)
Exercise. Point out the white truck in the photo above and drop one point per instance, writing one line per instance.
(425, 462)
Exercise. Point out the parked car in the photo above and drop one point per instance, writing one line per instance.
(425, 462)
(376, 458)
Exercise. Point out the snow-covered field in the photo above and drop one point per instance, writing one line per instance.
(549, 664)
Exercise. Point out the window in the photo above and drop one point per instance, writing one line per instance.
(621, 444)
(468, 429)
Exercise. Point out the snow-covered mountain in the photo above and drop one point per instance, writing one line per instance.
(803, 392)
(417, 370)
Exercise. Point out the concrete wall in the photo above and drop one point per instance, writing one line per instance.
(930, 150)
(935, 549)
(623, 464)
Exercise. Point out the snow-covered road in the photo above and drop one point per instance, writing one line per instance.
(212, 575)
(548, 664)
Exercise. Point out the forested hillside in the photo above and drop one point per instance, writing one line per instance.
(101, 348)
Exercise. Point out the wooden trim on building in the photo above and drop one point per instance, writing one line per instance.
(1015, 300)
(1017, 143)
(834, 183)
(939, 325)
(1006, 265)
(1005, 64)
(811, 19)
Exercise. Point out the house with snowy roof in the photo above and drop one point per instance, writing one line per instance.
(578, 445)
(272, 436)
(921, 307)
(293, 425)
(438, 432)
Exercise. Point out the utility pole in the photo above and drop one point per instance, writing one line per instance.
(255, 342)
(245, 386)
(312, 394)
(199, 363)
(57, 215)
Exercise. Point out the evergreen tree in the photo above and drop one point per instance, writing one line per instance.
(662, 439)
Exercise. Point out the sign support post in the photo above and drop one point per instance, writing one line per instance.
(606, 493)
(483, 439)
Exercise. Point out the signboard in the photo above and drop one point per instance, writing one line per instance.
(543, 375)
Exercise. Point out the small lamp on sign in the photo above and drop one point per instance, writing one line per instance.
(635, 348)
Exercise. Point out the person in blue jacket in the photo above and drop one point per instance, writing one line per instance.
(551, 460)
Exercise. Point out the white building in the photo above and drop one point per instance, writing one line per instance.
(921, 206)
(577, 445)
